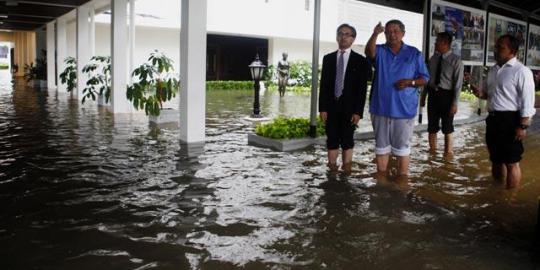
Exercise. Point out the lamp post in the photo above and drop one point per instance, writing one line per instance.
(257, 69)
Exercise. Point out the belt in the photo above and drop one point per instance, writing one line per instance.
(499, 113)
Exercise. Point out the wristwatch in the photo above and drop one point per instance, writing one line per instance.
(523, 126)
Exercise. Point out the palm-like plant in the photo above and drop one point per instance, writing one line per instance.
(69, 75)
(156, 83)
(99, 81)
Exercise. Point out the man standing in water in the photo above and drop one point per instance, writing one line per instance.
(443, 88)
(399, 70)
(509, 90)
(342, 97)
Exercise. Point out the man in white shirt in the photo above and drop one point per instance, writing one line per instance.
(509, 89)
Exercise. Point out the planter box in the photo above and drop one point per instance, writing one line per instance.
(295, 144)
(284, 145)
(166, 116)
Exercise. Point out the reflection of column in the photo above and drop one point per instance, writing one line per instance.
(193, 71)
(119, 102)
(61, 50)
(51, 46)
(83, 47)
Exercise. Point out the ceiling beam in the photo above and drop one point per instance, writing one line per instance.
(41, 3)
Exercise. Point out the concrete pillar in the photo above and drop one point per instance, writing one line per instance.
(315, 69)
(92, 14)
(193, 72)
(131, 38)
(83, 47)
(61, 51)
(119, 72)
(51, 61)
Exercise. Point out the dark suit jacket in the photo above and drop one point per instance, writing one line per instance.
(353, 98)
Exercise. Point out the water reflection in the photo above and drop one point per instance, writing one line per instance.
(80, 187)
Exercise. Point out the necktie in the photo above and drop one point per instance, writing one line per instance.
(340, 70)
(438, 71)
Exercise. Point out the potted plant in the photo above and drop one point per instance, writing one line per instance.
(36, 76)
(154, 84)
(99, 79)
(69, 75)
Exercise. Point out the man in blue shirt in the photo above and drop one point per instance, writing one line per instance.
(399, 69)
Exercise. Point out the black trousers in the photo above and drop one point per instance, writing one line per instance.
(439, 104)
(339, 129)
(500, 137)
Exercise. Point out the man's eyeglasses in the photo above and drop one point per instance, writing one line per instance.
(342, 34)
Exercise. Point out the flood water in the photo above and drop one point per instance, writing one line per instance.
(82, 189)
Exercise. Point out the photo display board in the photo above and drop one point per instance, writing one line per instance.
(533, 47)
(467, 25)
(500, 25)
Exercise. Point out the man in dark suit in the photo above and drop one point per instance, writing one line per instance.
(342, 96)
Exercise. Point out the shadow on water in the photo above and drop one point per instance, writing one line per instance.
(82, 188)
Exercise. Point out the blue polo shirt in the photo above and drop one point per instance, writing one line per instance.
(386, 99)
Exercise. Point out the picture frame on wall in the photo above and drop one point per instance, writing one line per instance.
(500, 25)
(466, 24)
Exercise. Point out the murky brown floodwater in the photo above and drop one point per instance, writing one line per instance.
(80, 189)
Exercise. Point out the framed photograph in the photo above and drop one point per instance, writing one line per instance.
(533, 47)
(467, 25)
(499, 25)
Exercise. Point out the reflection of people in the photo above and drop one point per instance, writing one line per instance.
(342, 97)
(509, 90)
(444, 86)
(283, 74)
(437, 14)
(399, 69)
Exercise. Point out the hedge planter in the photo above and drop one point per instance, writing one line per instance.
(284, 144)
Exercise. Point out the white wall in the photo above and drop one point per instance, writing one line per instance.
(286, 24)
(147, 39)
(301, 49)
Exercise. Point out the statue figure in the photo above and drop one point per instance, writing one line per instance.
(283, 74)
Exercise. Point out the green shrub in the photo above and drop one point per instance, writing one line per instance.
(288, 128)
(4, 66)
(229, 85)
(301, 72)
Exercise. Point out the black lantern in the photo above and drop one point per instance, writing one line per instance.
(257, 69)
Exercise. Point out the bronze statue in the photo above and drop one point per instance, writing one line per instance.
(283, 74)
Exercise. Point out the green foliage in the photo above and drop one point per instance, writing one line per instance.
(301, 72)
(295, 88)
(37, 72)
(269, 73)
(288, 128)
(99, 78)
(155, 84)
(467, 96)
(69, 75)
(229, 85)
(4, 66)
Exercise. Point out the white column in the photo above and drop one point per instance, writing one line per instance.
(131, 37)
(83, 47)
(315, 68)
(92, 14)
(193, 71)
(119, 38)
(61, 51)
(51, 48)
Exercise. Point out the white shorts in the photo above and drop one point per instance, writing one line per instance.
(392, 135)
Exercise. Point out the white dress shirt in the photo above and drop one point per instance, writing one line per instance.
(510, 88)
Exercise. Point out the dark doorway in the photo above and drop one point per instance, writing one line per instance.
(228, 57)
